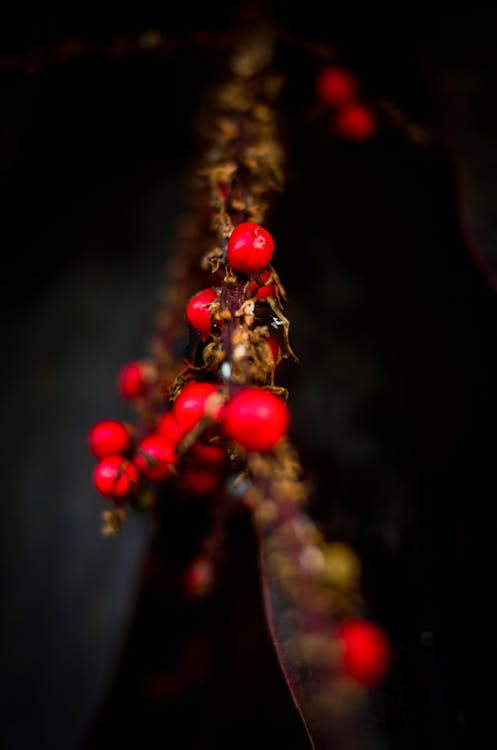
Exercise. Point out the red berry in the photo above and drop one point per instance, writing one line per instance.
(133, 379)
(256, 419)
(198, 313)
(115, 477)
(355, 123)
(274, 346)
(210, 455)
(250, 248)
(200, 480)
(336, 86)
(199, 577)
(169, 428)
(262, 291)
(155, 457)
(189, 407)
(366, 652)
(223, 192)
(109, 437)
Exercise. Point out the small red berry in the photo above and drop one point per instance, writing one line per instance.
(198, 313)
(209, 455)
(250, 248)
(133, 379)
(256, 419)
(115, 477)
(169, 428)
(263, 290)
(199, 577)
(155, 457)
(366, 651)
(200, 480)
(189, 407)
(109, 437)
(274, 346)
(336, 86)
(223, 191)
(355, 123)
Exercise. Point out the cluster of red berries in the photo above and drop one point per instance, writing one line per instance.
(253, 417)
(338, 88)
(249, 252)
(250, 249)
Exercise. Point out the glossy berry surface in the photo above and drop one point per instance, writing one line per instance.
(336, 86)
(198, 313)
(132, 381)
(189, 407)
(356, 123)
(115, 477)
(109, 437)
(155, 458)
(366, 652)
(256, 419)
(250, 248)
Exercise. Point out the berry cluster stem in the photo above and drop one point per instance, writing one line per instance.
(304, 597)
(309, 587)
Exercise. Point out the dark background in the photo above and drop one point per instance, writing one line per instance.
(385, 250)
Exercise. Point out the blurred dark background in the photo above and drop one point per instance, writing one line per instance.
(386, 250)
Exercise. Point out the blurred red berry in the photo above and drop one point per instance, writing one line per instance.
(133, 379)
(155, 457)
(199, 577)
(169, 428)
(198, 313)
(274, 346)
(256, 419)
(250, 248)
(210, 455)
(366, 652)
(336, 86)
(109, 437)
(356, 122)
(200, 480)
(189, 407)
(115, 477)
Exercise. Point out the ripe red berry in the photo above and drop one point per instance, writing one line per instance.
(198, 313)
(155, 457)
(262, 291)
(366, 652)
(169, 428)
(250, 248)
(355, 123)
(189, 407)
(200, 480)
(336, 86)
(115, 477)
(274, 346)
(109, 437)
(209, 455)
(133, 379)
(256, 419)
